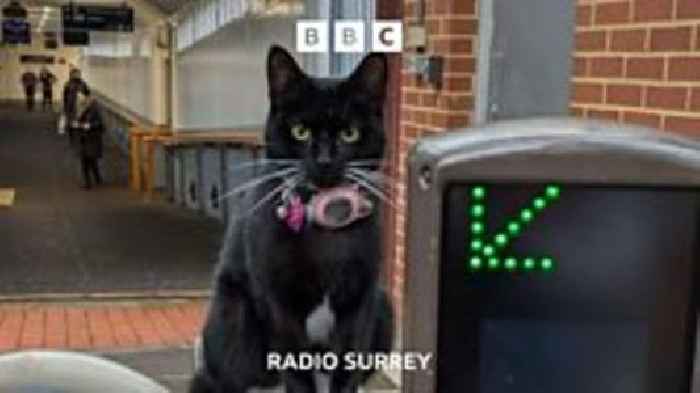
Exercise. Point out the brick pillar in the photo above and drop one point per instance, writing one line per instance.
(452, 28)
(391, 9)
(638, 61)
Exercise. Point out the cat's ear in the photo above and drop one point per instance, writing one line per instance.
(283, 73)
(370, 78)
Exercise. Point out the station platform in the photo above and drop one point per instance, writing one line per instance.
(84, 270)
(59, 239)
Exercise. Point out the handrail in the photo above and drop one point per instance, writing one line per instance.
(231, 136)
(246, 138)
(128, 114)
(141, 168)
(211, 130)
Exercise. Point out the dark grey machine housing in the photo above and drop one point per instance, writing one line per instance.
(560, 150)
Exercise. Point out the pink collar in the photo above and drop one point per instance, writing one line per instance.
(332, 208)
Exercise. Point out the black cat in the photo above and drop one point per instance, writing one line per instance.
(285, 283)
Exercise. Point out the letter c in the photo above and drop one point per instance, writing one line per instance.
(383, 36)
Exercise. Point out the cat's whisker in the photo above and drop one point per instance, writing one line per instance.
(368, 160)
(370, 174)
(372, 189)
(366, 164)
(376, 177)
(285, 185)
(257, 181)
(264, 162)
(358, 165)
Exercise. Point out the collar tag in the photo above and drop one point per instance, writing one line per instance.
(334, 208)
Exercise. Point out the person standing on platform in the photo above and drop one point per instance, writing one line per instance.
(89, 130)
(72, 89)
(47, 79)
(29, 82)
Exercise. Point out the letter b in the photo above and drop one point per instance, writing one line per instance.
(349, 36)
(312, 36)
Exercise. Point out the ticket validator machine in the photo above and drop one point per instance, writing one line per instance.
(553, 255)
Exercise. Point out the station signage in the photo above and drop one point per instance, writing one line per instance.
(97, 18)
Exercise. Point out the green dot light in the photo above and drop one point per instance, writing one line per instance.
(539, 203)
(514, 228)
(475, 263)
(526, 215)
(547, 264)
(501, 239)
(478, 211)
(552, 192)
(479, 193)
(490, 251)
(529, 264)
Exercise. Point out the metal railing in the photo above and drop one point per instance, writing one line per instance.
(187, 184)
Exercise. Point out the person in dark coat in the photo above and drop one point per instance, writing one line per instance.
(71, 91)
(90, 128)
(29, 82)
(47, 79)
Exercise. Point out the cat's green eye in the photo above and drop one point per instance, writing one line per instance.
(301, 133)
(350, 135)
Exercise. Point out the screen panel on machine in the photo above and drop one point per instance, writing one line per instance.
(550, 288)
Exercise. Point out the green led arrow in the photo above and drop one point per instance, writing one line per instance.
(488, 255)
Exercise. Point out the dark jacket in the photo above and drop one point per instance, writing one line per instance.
(29, 80)
(47, 80)
(71, 90)
(91, 138)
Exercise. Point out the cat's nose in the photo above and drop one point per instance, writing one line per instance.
(324, 157)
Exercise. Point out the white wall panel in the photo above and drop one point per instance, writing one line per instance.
(221, 79)
(130, 70)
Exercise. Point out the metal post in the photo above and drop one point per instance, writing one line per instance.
(169, 173)
(183, 187)
(201, 193)
(255, 155)
(223, 178)
(486, 26)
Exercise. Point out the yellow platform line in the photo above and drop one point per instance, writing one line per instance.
(7, 197)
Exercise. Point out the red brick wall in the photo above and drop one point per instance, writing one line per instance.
(638, 61)
(635, 61)
(451, 26)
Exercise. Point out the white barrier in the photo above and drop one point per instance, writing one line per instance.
(64, 372)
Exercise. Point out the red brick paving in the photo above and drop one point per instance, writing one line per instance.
(99, 326)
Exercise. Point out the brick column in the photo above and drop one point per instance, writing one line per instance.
(452, 28)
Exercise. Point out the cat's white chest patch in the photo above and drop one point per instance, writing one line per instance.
(320, 323)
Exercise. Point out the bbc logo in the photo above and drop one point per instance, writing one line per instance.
(313, 36)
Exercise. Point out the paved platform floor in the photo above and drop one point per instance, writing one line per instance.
(171, 367)
(100, 326)
(59, 238)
